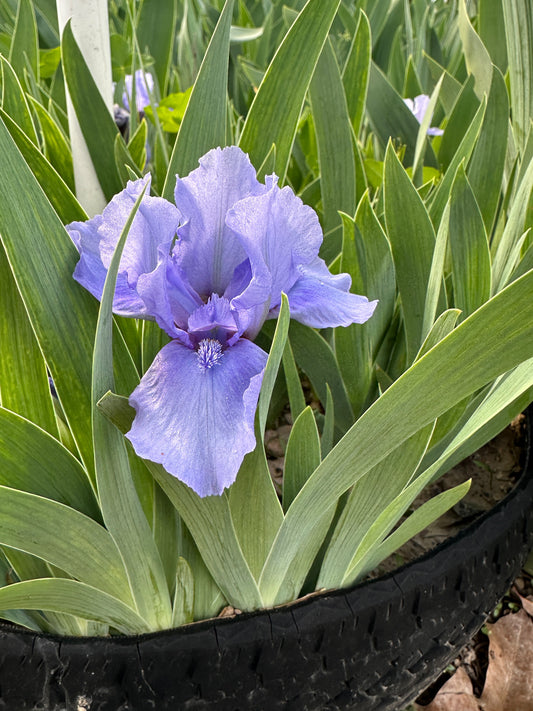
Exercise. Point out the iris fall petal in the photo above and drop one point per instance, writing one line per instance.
(204, 442)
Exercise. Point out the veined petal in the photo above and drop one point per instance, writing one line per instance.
(91, 273)
(280, 235)
(208, 250)
(167, 294)
(195, 411)
(156, 221)
(320, 299)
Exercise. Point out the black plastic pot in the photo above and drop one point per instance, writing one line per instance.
(373, 647)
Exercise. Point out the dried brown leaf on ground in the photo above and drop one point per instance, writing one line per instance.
(455, 695)
(509, 683)
(527, 602)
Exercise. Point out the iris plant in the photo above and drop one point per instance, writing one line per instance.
(210, 270)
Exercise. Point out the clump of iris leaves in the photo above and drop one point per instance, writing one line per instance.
(96, 540)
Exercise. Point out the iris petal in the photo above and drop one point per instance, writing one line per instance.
(91, 273)
(213, 320)
(198, 420)
(320, 299)
(167, 294)
(156, 221)
(209, 251)
(279, 234)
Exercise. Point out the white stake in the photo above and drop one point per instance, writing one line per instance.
(90, 26)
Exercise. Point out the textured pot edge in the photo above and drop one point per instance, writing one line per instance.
(403, 579)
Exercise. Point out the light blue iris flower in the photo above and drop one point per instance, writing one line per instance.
(144, 86)
(210, 270)
(419, 106)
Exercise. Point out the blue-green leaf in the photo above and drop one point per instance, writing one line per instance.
(469, 248)
(275, 111)
(317, 360)
(204, 123)
(356, 72)
(412, 241)
(486, 167)
(335, 148)
(121, 508)
(24, 51)
(302, 456)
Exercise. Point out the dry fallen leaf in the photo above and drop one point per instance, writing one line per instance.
(455, 695)
(527, 603)
(509, 683)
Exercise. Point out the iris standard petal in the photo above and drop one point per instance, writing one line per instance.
(155, 223)
(195, 411)
(419, 106)
(279, 234)
(91, 273)
(320, 299)
(208, 250)
(144, 86)
(213, 320)
(167, 293)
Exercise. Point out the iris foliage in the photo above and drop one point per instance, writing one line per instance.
(436, 228)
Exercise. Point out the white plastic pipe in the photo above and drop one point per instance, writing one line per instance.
(90, 26)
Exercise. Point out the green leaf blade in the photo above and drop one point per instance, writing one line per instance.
(73, 598)
(486, 167)
(317, 360)
(41, 465)
(356, 72)
(493, 340)
(121, 508)
(274, 114)
(24, 51)
(471, 263)
(412, 241)
(302, 456)
(335, 148)
(34, 524)
(204, 123)
(156, 34)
